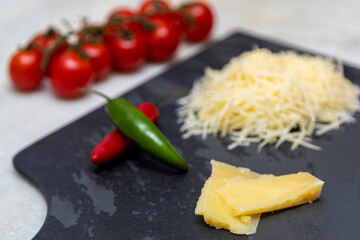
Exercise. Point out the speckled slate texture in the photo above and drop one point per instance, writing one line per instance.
(135, 197)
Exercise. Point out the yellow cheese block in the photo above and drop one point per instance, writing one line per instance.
(268, 193)
(212, 207)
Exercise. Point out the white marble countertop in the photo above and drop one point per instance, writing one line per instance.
(329, 27)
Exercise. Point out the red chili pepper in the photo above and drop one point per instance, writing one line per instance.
(149, 110)
(116, 143)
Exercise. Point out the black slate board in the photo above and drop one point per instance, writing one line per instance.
(135, 197)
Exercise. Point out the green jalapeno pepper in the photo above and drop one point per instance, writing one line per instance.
(136, 126)
(141, 130)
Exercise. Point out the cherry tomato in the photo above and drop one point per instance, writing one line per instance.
(178, 18)
(152, 7)
(100, 58)
(199, 20)
(123, 18)
(70, 71)
(163, 41)
(120, 13)
(128, 49)
(47, 40)
(24, 69)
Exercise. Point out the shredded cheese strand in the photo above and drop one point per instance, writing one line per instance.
(267, 97)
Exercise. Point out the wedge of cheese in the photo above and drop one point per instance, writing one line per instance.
(212, 207)
(268, 193)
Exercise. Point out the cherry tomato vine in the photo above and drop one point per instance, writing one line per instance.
(123, 43)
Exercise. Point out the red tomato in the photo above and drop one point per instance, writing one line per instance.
(120, 13)
(68, 72)
(161, 8)
(47, 40)
(178, 18)
(100, 58)
(151, 7)
(25, 71)
(128, 50)
(163, 41)
(199, 21)
(123, 18)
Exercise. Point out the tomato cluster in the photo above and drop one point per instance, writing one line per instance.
(124, 43)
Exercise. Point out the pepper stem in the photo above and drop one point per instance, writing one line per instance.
(87, 90)
(49, 52)
(172, 94)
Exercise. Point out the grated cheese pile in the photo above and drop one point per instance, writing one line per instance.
(268, 97)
